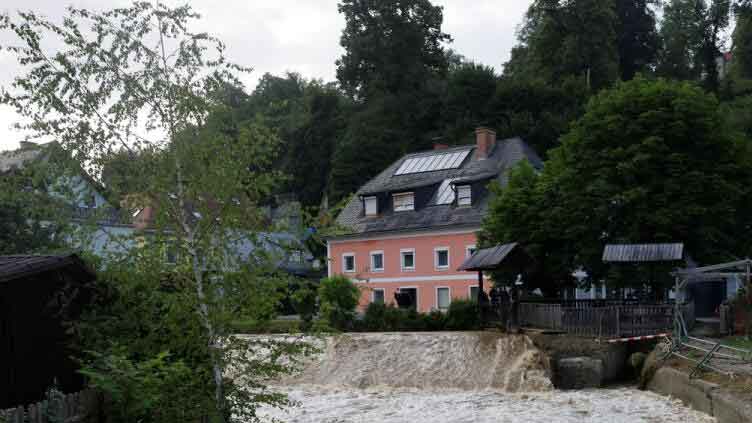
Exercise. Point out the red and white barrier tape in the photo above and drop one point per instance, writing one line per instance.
(638, 338)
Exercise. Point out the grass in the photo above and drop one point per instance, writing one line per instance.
(738, 342)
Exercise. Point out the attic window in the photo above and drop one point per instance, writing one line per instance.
(371, 205)
(404, 201)
(445, 195)
(464, 195)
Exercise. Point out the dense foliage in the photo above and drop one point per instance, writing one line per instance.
(338, 298)
(379, 317)
(137, 81)
(650, 161)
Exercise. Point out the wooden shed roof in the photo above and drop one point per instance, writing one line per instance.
(488, 258)
(19, 266)
(640, 253)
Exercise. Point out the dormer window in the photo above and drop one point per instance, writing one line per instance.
(371, 205)
(464, 195)
(404, 201)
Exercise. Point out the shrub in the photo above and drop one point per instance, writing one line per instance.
(463, 315)
(338, 297)
(245, 326)
(435, 320)
(304, 303)
(155, 389)
(374, 319)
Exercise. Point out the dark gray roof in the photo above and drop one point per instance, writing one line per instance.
(637, 253)
(487, 258)
(19, 266)
(504, 156)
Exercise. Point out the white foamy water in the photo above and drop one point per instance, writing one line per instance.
(430, 360)
(457, 377)
(328, 404)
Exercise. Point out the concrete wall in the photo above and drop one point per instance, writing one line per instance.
(702, 396)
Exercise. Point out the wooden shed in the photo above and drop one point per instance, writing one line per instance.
(38, 294)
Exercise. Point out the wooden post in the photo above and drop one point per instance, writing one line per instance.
(480, 295)
(618, 323)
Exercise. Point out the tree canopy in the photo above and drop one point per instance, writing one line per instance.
(649, 161)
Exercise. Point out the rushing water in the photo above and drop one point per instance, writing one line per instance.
(453, 377)
(326, 404)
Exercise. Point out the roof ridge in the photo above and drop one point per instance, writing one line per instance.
(441, 151)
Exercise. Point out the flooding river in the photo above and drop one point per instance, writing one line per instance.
(326, 404)
(453, 377)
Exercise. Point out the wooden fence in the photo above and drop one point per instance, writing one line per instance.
(610, 321)
(81, 407)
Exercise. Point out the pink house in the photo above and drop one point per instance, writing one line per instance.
(414, 224)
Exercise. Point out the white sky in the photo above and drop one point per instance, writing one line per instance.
(296, 35)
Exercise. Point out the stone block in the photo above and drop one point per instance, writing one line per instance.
(694, 393)
(728, 408)
(579, 373)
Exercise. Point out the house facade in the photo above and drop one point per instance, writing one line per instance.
(411, 227)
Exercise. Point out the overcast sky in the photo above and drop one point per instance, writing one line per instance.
(296, 35)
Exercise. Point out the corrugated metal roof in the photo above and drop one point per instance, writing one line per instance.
(18, 266)
(638, 253)
(487, 258)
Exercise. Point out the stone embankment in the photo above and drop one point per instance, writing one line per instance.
(710, 398)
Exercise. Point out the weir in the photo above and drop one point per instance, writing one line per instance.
(435, 360)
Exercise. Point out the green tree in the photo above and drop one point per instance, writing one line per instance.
(651, 162)
(692, 40)
(537, 111)
(137, 78)
(394, 68)
(526, 211)
(742, 41)
(390, 46)
(338, 296)
(564, 39)
(468, 100)
(638, 40)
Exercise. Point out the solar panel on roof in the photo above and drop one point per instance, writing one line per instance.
(432, 162)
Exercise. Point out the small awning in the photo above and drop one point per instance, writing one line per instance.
(640, 253)
(487, 258)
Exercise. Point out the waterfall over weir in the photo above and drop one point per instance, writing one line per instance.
(452, 360)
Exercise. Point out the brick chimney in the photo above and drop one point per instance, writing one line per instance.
(440, 146)
(485, 141)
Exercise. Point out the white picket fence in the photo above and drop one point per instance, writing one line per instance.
(80, 407)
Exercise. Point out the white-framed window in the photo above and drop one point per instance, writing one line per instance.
(348, 262)
(371, 205)
(378, 296)
(472, 292)
(377, 261)
(470, 250)
(404, 201)
(443, 298)
(464, 195)
(441, 258)
(407, 259)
